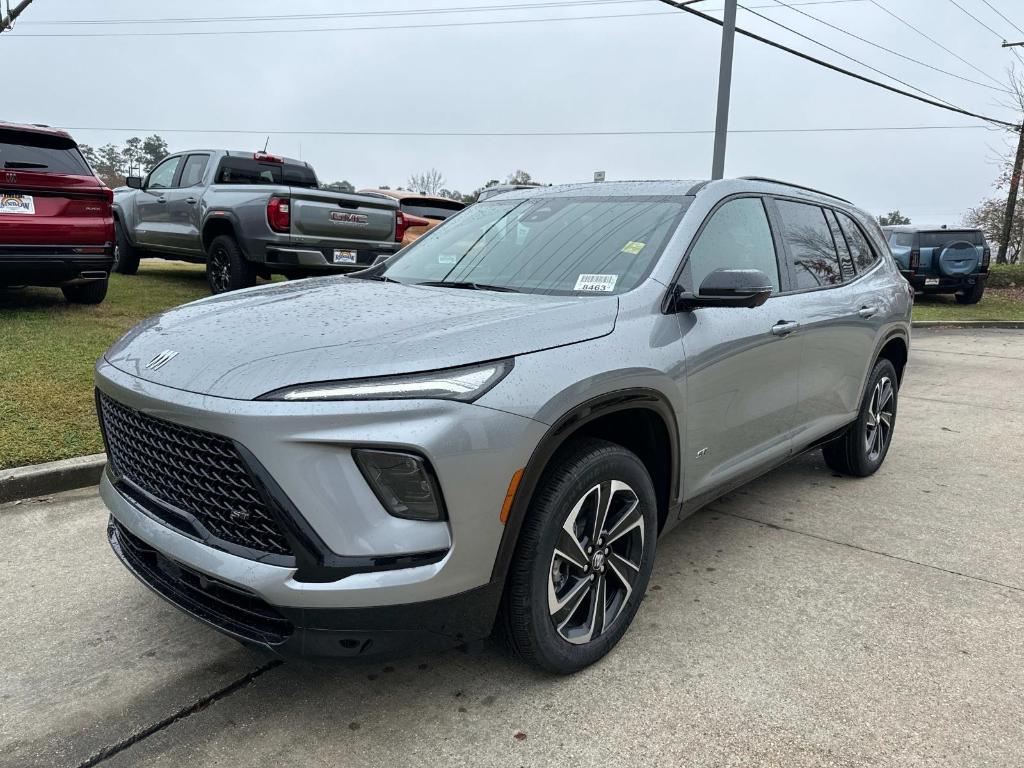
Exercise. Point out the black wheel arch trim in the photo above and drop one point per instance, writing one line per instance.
(560, 432)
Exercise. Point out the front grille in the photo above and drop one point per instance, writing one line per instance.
(191, 471)
(225, 606)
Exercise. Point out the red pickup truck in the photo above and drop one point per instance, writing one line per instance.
(56, 221)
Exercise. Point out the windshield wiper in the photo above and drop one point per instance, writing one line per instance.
(468, 285)
(377, 278)
(20, 164)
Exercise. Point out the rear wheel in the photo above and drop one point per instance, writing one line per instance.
(126, 255)
(972, 295)
(861, 450)
(584, 557)
(86, 293)
(227, 269)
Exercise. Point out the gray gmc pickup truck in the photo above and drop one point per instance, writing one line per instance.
(248, 215)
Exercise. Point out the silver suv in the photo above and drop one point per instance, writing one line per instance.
(495, 426)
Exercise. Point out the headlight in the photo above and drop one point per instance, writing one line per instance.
(463, 384)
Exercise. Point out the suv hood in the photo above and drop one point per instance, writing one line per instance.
(247, 343)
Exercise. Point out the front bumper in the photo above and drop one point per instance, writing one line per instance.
(305, 449)
(308, 632)
(53, 266)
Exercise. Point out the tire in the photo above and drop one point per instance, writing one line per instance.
(861, 450)
(86, 293)
(227, 269)
(973, 294)
(543, 585)
(126, 255)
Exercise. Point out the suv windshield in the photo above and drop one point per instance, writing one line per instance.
(41, 152)
(556, 245)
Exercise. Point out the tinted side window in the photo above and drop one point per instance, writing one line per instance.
(812, 252)
(845, 260)
(863, 254)
(192, 173)
(902, 239)
(736, 237)
(163, 175)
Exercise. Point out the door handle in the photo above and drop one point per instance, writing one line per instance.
(867, 311)
(785, 327)
(161, 199)
(191, 200)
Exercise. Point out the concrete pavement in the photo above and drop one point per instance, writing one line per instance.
(806, 619)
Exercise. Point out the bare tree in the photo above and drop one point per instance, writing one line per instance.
(427, 183)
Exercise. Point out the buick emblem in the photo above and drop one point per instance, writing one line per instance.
(161, 360)
(10, 178)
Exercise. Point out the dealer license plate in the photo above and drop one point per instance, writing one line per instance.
(11, 203)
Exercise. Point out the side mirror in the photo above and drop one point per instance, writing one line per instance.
(728, 288)
(135, 182)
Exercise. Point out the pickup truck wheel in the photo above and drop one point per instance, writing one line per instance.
(86, 293)
(227, 269)
(861, 450)
(584, 557)
(126, 256)
(972, 295)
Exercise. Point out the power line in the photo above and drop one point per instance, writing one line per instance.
(1000, 15)
(421, 134)
(846, 56)
(890, 50)
(986, 26)
(366, 14)
(841, 70)
(348, 29)
(933, 41)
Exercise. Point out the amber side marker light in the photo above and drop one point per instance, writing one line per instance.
(506, 506)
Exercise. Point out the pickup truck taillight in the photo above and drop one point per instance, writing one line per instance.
(279, 214)
(405, 221)
(915, 258)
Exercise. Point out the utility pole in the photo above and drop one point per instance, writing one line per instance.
(724, 88)
(7, 21)
(1011, 200)
(1012, 45)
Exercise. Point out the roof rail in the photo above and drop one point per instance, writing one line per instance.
(797, 186)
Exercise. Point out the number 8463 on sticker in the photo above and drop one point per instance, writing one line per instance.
(596, 283)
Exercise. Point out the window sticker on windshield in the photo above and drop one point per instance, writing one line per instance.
(596, 283)
(633, 247)
(447, 258)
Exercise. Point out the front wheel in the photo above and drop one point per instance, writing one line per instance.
(861, 450)
(584, 557)
(227, 269)
(126, 255)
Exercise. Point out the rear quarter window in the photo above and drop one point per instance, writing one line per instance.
(41, 153)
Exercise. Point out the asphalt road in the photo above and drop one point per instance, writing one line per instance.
(805, 620)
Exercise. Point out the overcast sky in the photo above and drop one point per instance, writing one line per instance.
(646, 67)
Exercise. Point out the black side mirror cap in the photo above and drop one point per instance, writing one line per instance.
(727, 288)
(135, 182)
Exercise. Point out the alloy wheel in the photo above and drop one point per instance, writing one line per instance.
(878, 424)
(219, 267)
(596, 562)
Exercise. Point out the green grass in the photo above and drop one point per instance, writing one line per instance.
(996, 304)
(47, 352)
(1006, 276)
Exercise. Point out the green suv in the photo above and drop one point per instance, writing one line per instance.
(941, 260)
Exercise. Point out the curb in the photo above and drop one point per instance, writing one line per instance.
(1015, 324)
(53, 477)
